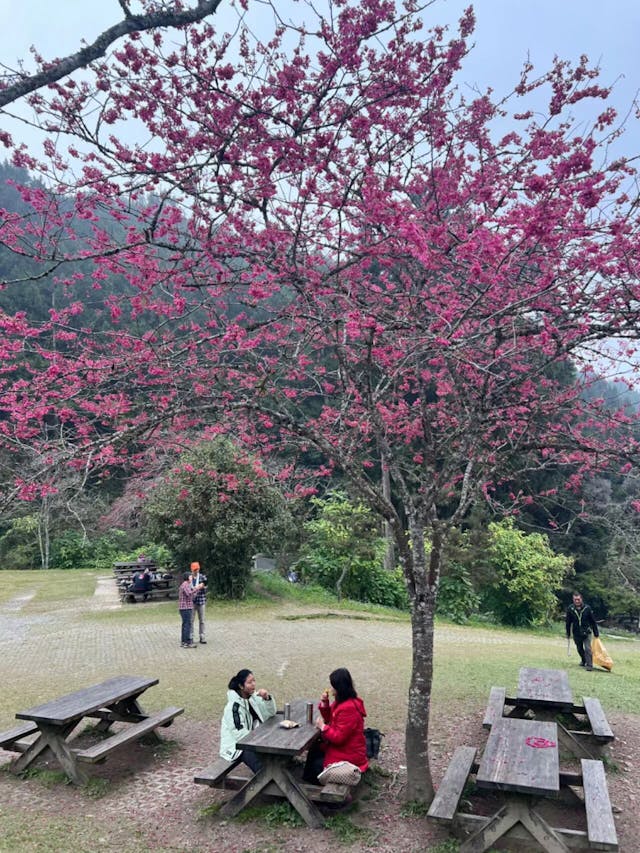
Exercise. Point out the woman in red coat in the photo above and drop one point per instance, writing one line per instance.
(342, 728)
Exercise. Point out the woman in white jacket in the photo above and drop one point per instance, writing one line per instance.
(246, 708)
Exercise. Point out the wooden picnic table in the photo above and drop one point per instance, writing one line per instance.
(546, 695)
(521, 762)
(521, 757)
(163, 584)
(276, 746)
(55, 723)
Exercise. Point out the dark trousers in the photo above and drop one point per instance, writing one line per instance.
(251, 760)
(583, 645)
(187, 618)
(314, 764)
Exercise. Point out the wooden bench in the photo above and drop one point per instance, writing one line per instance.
(601, 829)
(10, 740)
(445, 803)
(495, 706)
(133, 597)
(218, 775)
(215, 775)
(600, 727)
(132, 732)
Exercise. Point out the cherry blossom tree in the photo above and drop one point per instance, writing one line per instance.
(316, 244)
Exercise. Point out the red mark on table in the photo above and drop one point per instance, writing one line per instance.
(540, 743)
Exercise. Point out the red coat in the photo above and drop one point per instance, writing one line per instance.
(343, 734)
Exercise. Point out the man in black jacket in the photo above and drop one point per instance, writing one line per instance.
(580, 619)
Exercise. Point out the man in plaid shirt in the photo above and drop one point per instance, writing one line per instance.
(199, 581)
(186, 594)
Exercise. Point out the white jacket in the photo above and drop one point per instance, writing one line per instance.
(238, 720)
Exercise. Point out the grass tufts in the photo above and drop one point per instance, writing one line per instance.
(346, 831)
(47, 778)
(414, 808)
(96, 788)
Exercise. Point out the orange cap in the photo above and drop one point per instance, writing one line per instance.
(195, 567)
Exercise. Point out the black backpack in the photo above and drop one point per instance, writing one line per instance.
(373, 738)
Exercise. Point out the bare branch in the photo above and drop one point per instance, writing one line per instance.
(60, 68)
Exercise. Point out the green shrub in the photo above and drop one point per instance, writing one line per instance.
(457, 599)
(19, 543)
(526, 574)
(605, 597)
(70, 550)
(344, 553)
(109, 548)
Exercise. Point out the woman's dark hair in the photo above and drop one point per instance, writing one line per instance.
(342, 683)
(186, 576)
(239, 679)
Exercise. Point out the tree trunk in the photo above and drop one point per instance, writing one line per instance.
(44, 517)
(422, 586)
(343, 574)
(390, 553)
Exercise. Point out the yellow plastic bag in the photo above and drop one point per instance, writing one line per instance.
(600, 654)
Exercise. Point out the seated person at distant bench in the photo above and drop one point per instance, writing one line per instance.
(141, 582)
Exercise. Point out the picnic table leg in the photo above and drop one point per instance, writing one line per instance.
(55, 739)
(544, 834)
(290, 787)
(247, 793)
(23, 761)
(572, 744)
(508, 816)
(273, 770)
(518, 712)
(494, 828)
(126, 710)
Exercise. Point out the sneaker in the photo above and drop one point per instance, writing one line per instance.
(204, 642)
(589, 668)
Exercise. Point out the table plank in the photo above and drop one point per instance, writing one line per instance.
(521, 755)
(80, 703)
(545, 688)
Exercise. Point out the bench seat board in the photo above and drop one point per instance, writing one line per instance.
(12, 735)
(216, 772)
(495, 706)
(597, 719)
(445, 802)
(128, 734)
(601, 828)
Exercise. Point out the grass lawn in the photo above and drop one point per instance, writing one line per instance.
(57, 635)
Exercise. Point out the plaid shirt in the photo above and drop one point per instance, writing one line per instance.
(185, 596)
(201, 596)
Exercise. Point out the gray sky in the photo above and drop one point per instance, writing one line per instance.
(507, 31)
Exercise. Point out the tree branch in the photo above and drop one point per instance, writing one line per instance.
(59, 68)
